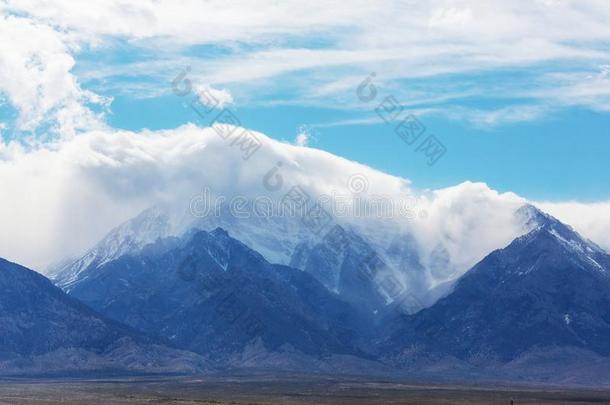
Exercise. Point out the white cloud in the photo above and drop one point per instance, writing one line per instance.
(215, 98)
(305, 135)
(324, 43)
(66, 195)
(469, 220)
(181, 22)
(35, 75)
(302, 139)
(590, 219)
(586, 88)
(494, 117)
(88, 184)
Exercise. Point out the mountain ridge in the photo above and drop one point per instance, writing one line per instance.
(214, 294)
(43, 330)
(524, 297)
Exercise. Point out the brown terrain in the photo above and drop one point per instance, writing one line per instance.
(293, 389)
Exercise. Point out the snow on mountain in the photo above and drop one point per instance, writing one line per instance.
(397, 265)
(577, 247)
(425, 238)
(544, 296)
(214, 295)
(129, 237)
(275, 237)
(91, 184)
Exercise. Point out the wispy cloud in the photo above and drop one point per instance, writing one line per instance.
(329, 46)
(490, 118)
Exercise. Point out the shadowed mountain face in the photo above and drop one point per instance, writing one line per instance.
(38, 317)
(40, 324)
(211, 294)
(549, 288)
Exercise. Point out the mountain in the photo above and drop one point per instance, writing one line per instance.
(211, 294)
(356, 268)
(273, 236)
(542, 297)
(370, 275)
(342, 263)
(43, 330)
(131, 236)
(537, 309)
(349, 266)
(423, 255)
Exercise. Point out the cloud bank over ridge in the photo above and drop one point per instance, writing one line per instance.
(67, 195)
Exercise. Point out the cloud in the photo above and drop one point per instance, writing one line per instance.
(35, 76)
(468, 221)
(316, 51)
(302, 139)
(90, 183)
(495, 117)
(588, 88)
(179, 23)
(67, 195)
(306, 134)
(215, 98)
(87, 184)
(590, 219)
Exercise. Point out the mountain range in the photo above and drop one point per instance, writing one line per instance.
(535, 310)
(544, 297)
(45, 331)
(211, 294)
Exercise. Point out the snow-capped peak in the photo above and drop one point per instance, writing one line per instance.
(579, 247)
(129, 237)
